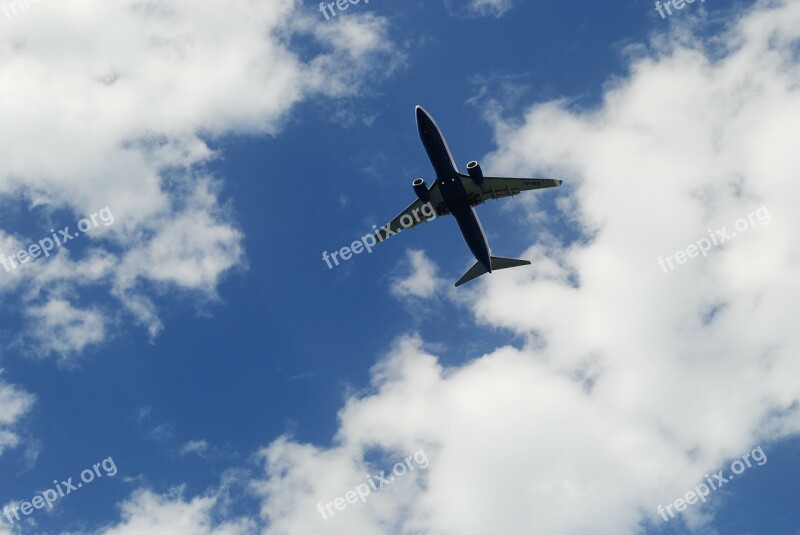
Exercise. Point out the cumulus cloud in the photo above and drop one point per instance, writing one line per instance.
(632, 383)
(64, 329)
(166, 514)
(14, 404)
(119, 105)
(421, 279)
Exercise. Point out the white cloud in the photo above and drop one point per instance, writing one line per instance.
(14, 404)
(199, 447)
(632, 383)
(63, 329)
(115, 104)
(628, 389)
(155, 514)
(480, 8)
(163, 432)
(421, 281)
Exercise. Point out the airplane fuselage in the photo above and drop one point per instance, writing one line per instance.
(453, 192)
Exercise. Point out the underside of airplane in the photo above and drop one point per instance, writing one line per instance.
(454, 193)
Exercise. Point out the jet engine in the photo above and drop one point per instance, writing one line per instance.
(421, 189)
(475, 172)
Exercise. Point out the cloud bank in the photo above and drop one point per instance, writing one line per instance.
(120, 105)
(632, 383)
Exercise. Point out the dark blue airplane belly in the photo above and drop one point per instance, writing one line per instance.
(437, 150)
(441, 162)
(452, 189)
(473, 234)
(455, 196)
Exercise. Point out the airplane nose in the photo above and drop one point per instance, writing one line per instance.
(422, 119)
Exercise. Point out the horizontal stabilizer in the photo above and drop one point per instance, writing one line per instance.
(498, 262)
(474, 272)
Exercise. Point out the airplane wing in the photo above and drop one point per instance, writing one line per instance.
(416, 213)
(495, 187)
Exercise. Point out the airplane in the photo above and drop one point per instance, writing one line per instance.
(457, 194)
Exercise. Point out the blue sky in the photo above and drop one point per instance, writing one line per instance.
(198, 340)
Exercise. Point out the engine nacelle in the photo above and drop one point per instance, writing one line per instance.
(421, 189)
(475, 172)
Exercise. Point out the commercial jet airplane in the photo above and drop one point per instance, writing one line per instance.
(457, 194)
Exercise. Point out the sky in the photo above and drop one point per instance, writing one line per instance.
(187, 363)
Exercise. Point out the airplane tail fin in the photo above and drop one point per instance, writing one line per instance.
(498, 262)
